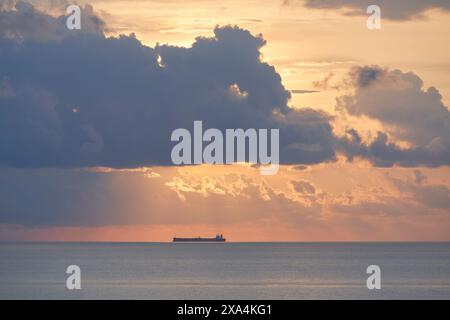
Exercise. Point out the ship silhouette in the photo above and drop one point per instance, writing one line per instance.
(218, 238)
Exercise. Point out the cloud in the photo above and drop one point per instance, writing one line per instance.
(303, 186)
(183, 198)
(81, 99)
(430, 196)
(299, 167)
(362, 77)
(300, 91)
(408, 199)
(83, 198)
(229, 196)
(324, 83)
(407, 112)
(393, 10)
(419, 177)
(387, 207)
(21, 21)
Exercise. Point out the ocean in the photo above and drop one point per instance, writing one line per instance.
(225, 270)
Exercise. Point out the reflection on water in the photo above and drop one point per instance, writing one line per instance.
(225, 270)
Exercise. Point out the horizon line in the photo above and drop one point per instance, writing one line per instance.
(236, 242)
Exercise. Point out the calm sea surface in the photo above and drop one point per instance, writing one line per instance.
(225, 270)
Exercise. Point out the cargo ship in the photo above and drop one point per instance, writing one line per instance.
(218, 238)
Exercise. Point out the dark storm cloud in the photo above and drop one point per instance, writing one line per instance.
(390, 9)
(77, 98)
(81, 99)
(407, 111)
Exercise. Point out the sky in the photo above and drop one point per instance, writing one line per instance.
(86, 117)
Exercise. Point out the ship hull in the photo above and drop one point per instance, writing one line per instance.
(198, 240)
